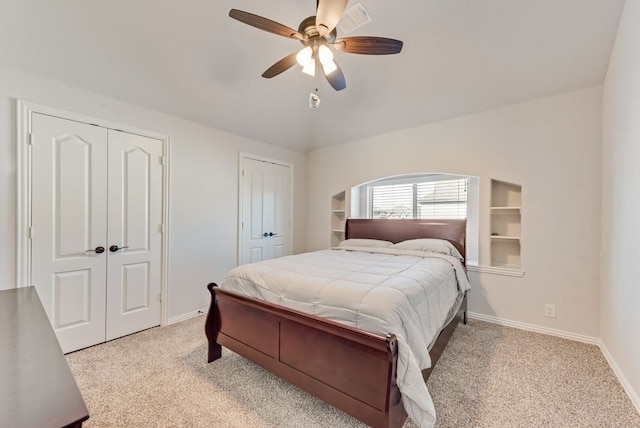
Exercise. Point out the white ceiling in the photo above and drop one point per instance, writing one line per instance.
(189, 59)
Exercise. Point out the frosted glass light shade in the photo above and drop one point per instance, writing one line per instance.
(304, 56)
(329, 67)
(324, 54)
(310, 67)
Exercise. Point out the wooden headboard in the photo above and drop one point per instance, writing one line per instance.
(397, 230)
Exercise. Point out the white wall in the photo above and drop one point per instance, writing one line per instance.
(620, 301)
(552, 148)
(203, 185)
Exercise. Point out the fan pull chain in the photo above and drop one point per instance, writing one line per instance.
(314, 99)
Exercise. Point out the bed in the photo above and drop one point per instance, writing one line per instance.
(350, 368)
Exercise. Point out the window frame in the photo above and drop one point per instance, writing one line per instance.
(361, 208)
(415, 181)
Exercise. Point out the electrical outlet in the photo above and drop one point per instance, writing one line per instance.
(550, 311)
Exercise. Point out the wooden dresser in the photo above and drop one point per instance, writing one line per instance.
(37, 388)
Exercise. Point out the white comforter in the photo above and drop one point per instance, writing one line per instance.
(380, 290)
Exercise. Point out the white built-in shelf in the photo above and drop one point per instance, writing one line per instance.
(506, 220)
(338, 217)
(506, 238)
(505, 210)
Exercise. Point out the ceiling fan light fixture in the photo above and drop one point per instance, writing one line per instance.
(318, 35)
(310, 67)
(325, 55)
(329, 67)
(304, 56)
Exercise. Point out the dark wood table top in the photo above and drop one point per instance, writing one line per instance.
(37, 388)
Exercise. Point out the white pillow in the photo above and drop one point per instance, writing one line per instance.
(365, 243)
(431, 245)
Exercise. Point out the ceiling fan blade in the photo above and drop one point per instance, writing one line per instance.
(367, 45)
(336, 79)
(283, 65)
(328, 15)
(265, 24)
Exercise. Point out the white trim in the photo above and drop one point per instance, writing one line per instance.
(166, 155)
(626, 385)
(23, 195)
(25, 109)
(496, 270)
(245, 155)
(242, 156)
(187, 316)
(535, 328)
(31, 107)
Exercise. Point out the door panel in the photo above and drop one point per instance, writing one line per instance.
(69, 217)
(266, 200)
(253, 194)
(71, 304)
(135, 198)
(135, 287)
(255, 254)
(135, 221)
(256, 205)
(72, 171)
(280, 187)
(279, 212)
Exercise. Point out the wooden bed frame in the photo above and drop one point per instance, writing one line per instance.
(353, 370)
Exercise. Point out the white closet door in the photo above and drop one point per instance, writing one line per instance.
(266, 204)
(95, 191)
(135, 226)
(69, 221)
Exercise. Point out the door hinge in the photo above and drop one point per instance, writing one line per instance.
(161, 228)
(29, 232)
(29, 139)
(161, 160)
(160, 297)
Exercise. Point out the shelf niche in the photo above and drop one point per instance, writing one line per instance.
(506, 220)
(338, 216)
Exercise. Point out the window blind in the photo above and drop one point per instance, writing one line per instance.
(442, 199)
(392, 201)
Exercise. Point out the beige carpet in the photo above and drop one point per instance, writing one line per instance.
(489, 376)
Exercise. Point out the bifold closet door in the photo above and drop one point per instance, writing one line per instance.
(96, 229)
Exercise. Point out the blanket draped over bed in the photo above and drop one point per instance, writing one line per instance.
(380, 290)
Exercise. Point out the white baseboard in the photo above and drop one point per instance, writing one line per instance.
(187, 316)
(535, 328)
(633, 395)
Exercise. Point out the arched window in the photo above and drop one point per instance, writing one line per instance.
(428, 196)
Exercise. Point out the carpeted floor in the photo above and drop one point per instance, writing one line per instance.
(489, 376)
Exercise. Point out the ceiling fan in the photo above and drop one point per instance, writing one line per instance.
(318, 33)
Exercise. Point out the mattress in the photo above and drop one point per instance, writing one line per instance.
(380, 290)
